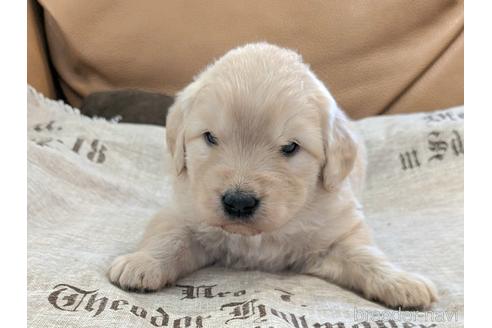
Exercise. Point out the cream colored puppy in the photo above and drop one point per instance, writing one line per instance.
(267, 170)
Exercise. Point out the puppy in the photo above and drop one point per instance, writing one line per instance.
(267, 175)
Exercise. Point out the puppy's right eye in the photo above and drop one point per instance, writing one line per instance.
(289, 149)
(210, 138)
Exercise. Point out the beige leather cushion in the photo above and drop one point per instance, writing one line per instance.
(38, 71)
(376, 56)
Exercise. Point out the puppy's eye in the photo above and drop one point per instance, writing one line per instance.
(210, 138)
(289, 149)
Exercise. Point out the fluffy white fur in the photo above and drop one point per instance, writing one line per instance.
(254, 100)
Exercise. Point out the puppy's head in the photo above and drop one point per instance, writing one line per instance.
(254, 137)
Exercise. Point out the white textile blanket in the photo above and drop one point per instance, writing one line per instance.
(93, 185)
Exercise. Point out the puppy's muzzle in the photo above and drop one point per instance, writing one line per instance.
(239, 204)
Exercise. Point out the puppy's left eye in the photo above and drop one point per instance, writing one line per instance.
(289, 149)
(210, 138)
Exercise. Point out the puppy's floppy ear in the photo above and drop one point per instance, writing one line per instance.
(175, 135)
(340, 146)
(175, 125)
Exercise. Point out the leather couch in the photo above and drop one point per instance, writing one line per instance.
(377, 57)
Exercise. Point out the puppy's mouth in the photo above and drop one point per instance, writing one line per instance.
(240, 229)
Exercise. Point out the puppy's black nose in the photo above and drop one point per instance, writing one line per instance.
(239, 204)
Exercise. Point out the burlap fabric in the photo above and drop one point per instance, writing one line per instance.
(93, 185)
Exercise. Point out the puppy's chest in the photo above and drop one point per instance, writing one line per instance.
(257, 253)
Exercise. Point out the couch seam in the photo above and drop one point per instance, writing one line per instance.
(422, 73)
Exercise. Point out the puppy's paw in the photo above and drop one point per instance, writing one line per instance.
(137, 272)
(405, 290)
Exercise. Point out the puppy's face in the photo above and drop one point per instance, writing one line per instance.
(250, 144)
(251, 166)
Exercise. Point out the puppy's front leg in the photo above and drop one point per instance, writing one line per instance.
(356, 263)
(166, 253)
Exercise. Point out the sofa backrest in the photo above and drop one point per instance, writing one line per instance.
(382, 56)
